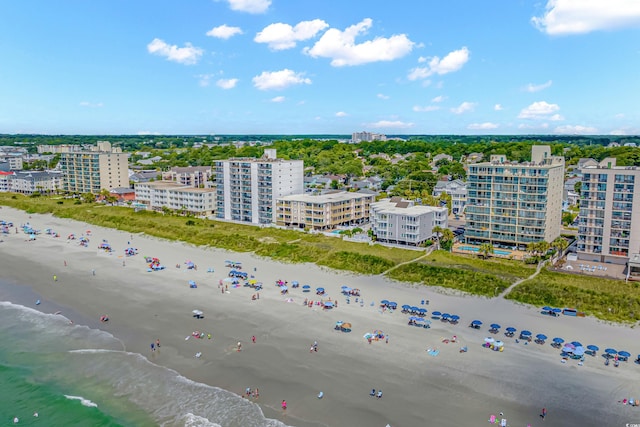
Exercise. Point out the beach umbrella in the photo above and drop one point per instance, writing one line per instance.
(547, 308)
(525, 333)
(284, 288)
(578, 351)
(541, 337)
(511, 329)
(454, 317)
(406, 307)
(419, 319)
(422, 310)
(576, 343)
(499, 344)
(295, 283)
(435, 314)
(306, 287)
(558, 340)
(392, 304)
(557, 310)
(489, 340)
(568, 349)
(445, 315)
(623, 353)
(346, 327)
(319, 289)
(346, 289)
(415, 309)
(593, 347)
(328, 304)
(343, 287)
(339, 323)
(384, 302)
(611, 351)
(476, 322)
(495, 326)
(415, 318)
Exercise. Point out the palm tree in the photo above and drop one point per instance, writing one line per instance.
(486, 249)
(560, 243)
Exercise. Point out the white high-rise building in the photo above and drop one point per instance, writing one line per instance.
(247, 188)
(609, 220)
(513, 204)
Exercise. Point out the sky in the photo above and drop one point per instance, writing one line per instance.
(205, 67)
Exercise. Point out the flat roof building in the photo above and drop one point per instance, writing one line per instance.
(323, 212)
(174, 196)
(89, 171)
(512, 204)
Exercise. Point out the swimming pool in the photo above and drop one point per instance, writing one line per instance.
(474, 249)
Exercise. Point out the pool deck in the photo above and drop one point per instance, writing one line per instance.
(459, 248)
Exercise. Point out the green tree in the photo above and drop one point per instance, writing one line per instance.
(486, 249)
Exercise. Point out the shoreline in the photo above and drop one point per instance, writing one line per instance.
(418, 389)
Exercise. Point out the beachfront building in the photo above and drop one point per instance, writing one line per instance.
(192, 176)
(100, 167)
(159, 195)
(367, 137)
(323, 212)
(609, 219)
(457, 189)
(247, 188)
(61, 148)
(30, 182)
(403, 222)
(511, 204)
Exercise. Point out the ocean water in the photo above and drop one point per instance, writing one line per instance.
(72, 375)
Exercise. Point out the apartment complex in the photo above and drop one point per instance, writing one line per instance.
(89, 171)
(192, 176)
(457, 189)
(609, 220)
(30, 182)
(323, 212)
(174, 196)
(512, 204)
(247, 189)
(402, 222)
(367, 136)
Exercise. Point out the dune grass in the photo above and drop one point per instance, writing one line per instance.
(606, 299)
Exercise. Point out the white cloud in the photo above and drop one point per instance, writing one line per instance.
(583, 16)
(279, 79)
(341, 114)
(537, 126)
(187, 55)
(227, 83)
(383, 96)
(439, 98)
(482, 126)
(464, 107)
(397, 124)
(498, 107)
(422, 60)
(426, 108)
(224, 32)
(452, 62)
(538, 110)
(250, 6)
(205, 79)
(278, 99)
(576, 130)
(91, 104)
(147, 132)
(556, 118)
(341, 47)
(281, 36)
(537, 88)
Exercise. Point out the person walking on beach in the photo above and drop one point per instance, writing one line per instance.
(239, 347)
(158, 343)
(55, 278)
(153, 347)
(543, 414)
(284, 405)
(253, 338)
(315, 346)
(93, 272)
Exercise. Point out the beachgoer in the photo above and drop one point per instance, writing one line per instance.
(226, 287)
(65, 263)
(247, 392)
(379, 395)
(209, 336)
(315, 346)
(258, 295)
(93, 272)
(386, 339)
(55, 278)
(311, 349)
(253, 338)
(239, 348)
(284, 405)
(256, 393)
(544, 413)
(158, 343)
(373, 392)
(123, 263)
(153, 347)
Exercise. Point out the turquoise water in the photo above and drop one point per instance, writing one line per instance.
(474, 249)
(72, 375)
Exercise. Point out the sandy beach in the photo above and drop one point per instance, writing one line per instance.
(450, 389)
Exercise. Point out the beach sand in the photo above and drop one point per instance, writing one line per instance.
(450, 389)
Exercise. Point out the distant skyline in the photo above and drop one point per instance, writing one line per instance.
(320, 67)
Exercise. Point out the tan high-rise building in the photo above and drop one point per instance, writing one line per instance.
(102, 167)
(608, 226)
(512, 204)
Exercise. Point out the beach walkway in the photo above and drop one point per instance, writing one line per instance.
(404, 263)
(517, 282)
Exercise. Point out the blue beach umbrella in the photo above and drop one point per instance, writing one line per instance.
(547, 308)
(436, 314)
(578, 351)
(623, 353)
(328, 304)
(422, 310)
(576, 343)
(558, 340)
(476, 322)
(306, 287)
(557, 310)
(384, 302)
(541, 337)
(406, 307)
(392, 304)
(511, 329)
(295, 283)
(495, 326)
(343, 287)
(454, 317)
(593, 347)
(611, 351)
(568, 349)
(415, 309)
(445, 315)
(525, 333)
(319, 289)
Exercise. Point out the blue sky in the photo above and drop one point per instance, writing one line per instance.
(311, 66)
